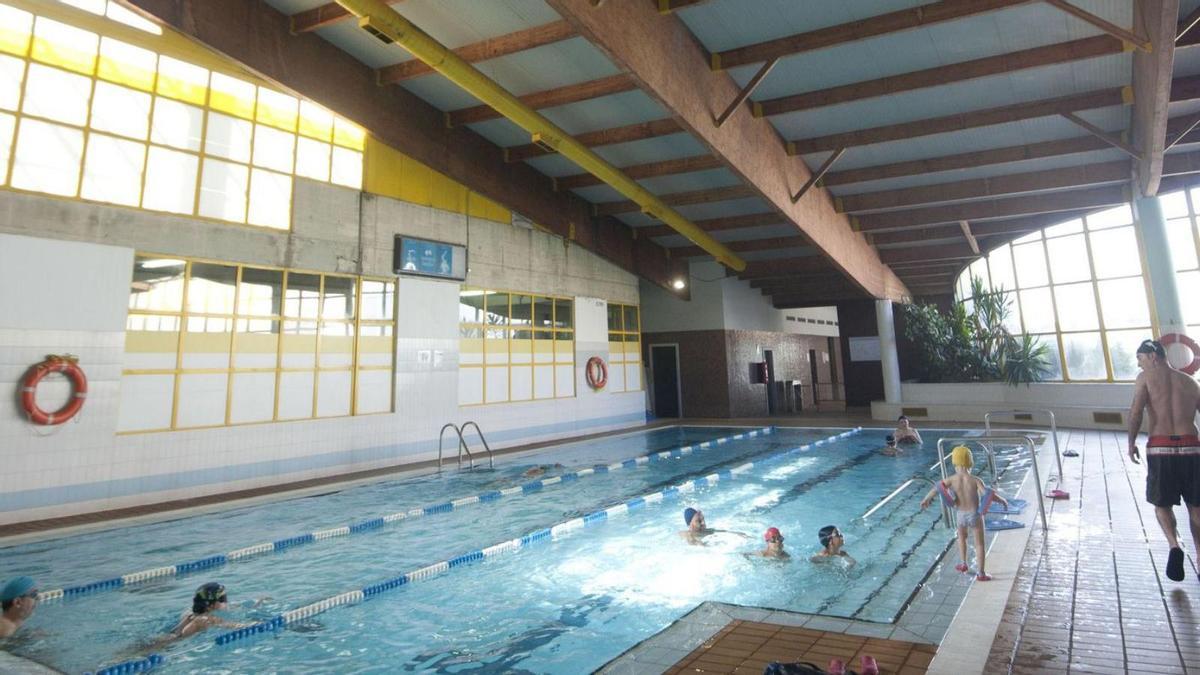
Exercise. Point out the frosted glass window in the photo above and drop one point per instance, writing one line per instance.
(1052, 355)
(12, 72)
(8, 125)
(211, 290)
(1116, 216)
(315, 121)
(1174, 205)
(1036, 235)
(312, 159)
(1182, 243)
(113, 172)
(1030, 262)
(125, 64)
(93, 6)
(56, 94)
(1084, 356)
(1000, 266)
(1115, 253)
(1076, 307)
(1123, 303)
(276, 109)
(228, 137)
(1189, 299)
(273, 149)
(177, 124)
(1037, 309)
(979, 269)
(48, 158)
(1122, 351)
(232, 96)
(270, 199)
(15, 27)
(348, 134)
(1069, 227)
(118, 13)
(62, 45)
(223, 190)
(347, 168)
(1068, 259)
(170, 181)
(120, 110)
(182, 81)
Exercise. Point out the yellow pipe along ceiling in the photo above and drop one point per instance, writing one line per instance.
(386, 24)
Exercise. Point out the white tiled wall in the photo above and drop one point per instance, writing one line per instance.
(67, 294)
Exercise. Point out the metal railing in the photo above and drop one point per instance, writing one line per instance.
(878, 505)
(1024, 441)
(987, 426)
(462, 444)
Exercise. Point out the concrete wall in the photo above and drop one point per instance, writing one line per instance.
(65, 266)
(1073, 404)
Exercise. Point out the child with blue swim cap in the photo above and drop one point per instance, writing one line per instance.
(18, 599)
(698, 529)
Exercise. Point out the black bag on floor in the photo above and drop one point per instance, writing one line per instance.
(798, 668)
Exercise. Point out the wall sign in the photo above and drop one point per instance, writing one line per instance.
(426, 258)
(864, 348)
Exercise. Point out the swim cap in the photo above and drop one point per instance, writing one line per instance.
(771, 533)
(208, 595)
(961, 456)
(16, 588)
(688, 513)
(1152, 347)
(890, 439)
(826, 534)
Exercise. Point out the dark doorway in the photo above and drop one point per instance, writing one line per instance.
(769, 357)
(812, 369)
(664, 364)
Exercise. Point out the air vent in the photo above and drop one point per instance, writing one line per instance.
(1023, 417)
(915, 412)
(365, 24)
(1107, 418)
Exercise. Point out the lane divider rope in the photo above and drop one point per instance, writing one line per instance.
(372, 524)
(358, 595)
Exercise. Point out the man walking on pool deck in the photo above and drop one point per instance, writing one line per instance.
(1173, 451)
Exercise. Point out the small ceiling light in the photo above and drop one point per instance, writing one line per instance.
(679, 284)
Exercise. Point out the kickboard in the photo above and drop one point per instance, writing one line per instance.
(1014, 506)
(1003, 524)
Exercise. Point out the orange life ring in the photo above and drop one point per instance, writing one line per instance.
(67, 365)
(597, 372)
(1180, 338)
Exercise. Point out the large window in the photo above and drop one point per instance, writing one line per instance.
(514, 347)
(88, 116)
(624, 348)
(1080, 287)
(211, 344)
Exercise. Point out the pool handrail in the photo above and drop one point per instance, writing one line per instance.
(945, 510)
(987, 426)
(1025, 441)
(487, 448)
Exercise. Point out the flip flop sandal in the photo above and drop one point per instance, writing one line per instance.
(982, 577)
(961, 567)
(1175, 564)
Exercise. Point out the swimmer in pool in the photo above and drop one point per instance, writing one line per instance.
(209, 598)
(540, 470)
(889, 447)
(905, 432)
(774, 549)
(698, 529)
(19, 597)
(832, 540)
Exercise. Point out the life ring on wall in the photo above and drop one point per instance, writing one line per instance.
(68, 366)
(1179, 338)
(596, 372)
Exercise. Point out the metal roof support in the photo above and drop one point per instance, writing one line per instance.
(747, 90)
(1112, 29)
(384, 23)
(812, 180)
(1102, 135)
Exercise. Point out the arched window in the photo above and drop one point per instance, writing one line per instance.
(1081, 287)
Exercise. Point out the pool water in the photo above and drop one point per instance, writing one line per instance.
(564, 605)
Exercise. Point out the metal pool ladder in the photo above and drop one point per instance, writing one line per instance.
(947, 516)
(986, 442)
(462, 444)
(987, 426)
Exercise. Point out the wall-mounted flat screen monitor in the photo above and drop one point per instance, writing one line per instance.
(427, 258)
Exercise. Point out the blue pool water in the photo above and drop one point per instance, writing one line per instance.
(565, 605)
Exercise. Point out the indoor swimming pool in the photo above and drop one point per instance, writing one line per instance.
(561, 600)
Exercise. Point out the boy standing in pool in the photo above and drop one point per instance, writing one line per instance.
(832, 541)
(905, 432)
(966, 491)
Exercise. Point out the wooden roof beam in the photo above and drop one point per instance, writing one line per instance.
(1067, 200)
(957, 251)
(966, 232)
(594, 139)
(767, 244)
(572, 93)
(854, 31)
(1103, 135)
(1065, 52)
(662, 54)
(1112, 29)
(704, 196)
(323, 15)
(1156, 19)
(666, 167)
(782, 267)
(491, 48)
(1102, 98)
(717, 224)
(981, 230)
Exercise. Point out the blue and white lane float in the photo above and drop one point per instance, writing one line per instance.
(358, 595)
(372, 524)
